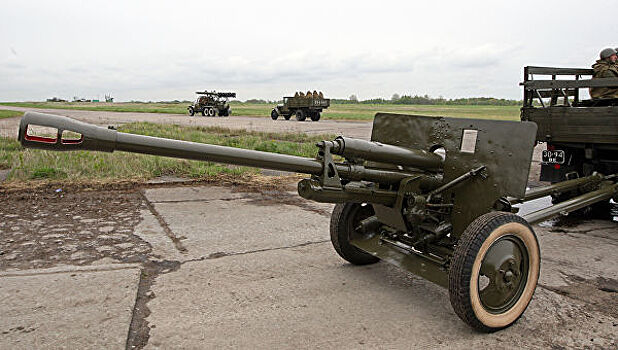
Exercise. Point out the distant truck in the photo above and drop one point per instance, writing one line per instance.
(302, 106)
(212, 103)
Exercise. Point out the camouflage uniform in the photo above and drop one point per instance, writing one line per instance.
(604, 69)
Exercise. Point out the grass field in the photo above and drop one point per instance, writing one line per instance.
(32, 165)
(336, 111)
(10, 114)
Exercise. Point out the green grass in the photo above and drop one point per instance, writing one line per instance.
(10, 114)
(31, 164)
(335, 111)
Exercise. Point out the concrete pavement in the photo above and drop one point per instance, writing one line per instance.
(218, 267)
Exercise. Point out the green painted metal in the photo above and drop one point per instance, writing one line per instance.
(605, 192)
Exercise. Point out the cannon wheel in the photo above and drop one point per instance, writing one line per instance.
(315, 116)
(300, 115)
(274, 115)
(494, 271)
(191, 111)
(343, 221)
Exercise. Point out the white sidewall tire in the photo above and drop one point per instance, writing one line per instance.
(527, 237)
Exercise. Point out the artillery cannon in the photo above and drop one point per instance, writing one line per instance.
(432, 195)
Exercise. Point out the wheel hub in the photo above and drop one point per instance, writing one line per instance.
(503, 267)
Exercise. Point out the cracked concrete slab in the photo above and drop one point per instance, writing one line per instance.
(308, 297)
(151, 231)
(190, 194)
(227, 222)
(70, 309)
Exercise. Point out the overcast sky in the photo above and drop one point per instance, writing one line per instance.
(165, 50)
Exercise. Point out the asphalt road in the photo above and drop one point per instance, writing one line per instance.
(197, 267)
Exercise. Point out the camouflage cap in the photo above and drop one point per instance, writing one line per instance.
(605, 53)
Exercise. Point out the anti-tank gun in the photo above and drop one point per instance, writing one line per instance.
(431, 195)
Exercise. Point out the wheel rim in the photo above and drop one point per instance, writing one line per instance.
(503, 274)
(359, 213)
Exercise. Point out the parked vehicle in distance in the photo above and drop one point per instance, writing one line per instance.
(212, 103)
(302, 106)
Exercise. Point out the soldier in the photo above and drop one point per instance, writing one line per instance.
(605, 68)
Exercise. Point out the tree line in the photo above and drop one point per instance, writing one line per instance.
(427, 100)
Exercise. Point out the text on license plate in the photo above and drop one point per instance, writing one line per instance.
(554, 157)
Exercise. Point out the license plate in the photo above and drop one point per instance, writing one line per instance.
(553, 157)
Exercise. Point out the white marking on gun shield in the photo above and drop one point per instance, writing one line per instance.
(468, 141)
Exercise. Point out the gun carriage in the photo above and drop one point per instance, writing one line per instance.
(431, 195)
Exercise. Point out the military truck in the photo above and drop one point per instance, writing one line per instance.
(211, 103)
(581, 135)
(302, 106)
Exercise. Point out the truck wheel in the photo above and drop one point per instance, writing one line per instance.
(191, 111)
(287, 116)
(204, 111)
(228, 112)
(315, 116)
(300, 115)
(211, 112)
(343, 222)
(494, 271)
(274, 115)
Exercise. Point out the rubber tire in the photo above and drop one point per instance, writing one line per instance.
(315, 116)
(212, 112)
(274, 115)
(300, 115)
(465, 255)
(340, 238)
(204, 112)
(287, 117)
(191, 111)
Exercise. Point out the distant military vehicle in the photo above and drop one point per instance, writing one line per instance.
(581, 136)
(302, 105)
(211, 103)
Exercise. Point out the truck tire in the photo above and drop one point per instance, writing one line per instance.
(274, 115)
(204, 111)
(212, 112)
(300, 115)
(494, 271)
(315, 116)
(343, 221)
(191, 111)
(287, 116)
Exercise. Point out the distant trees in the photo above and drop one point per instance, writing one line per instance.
(395, 97)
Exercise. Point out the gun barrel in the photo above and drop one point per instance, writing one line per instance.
(379, 152)
(98, 138)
